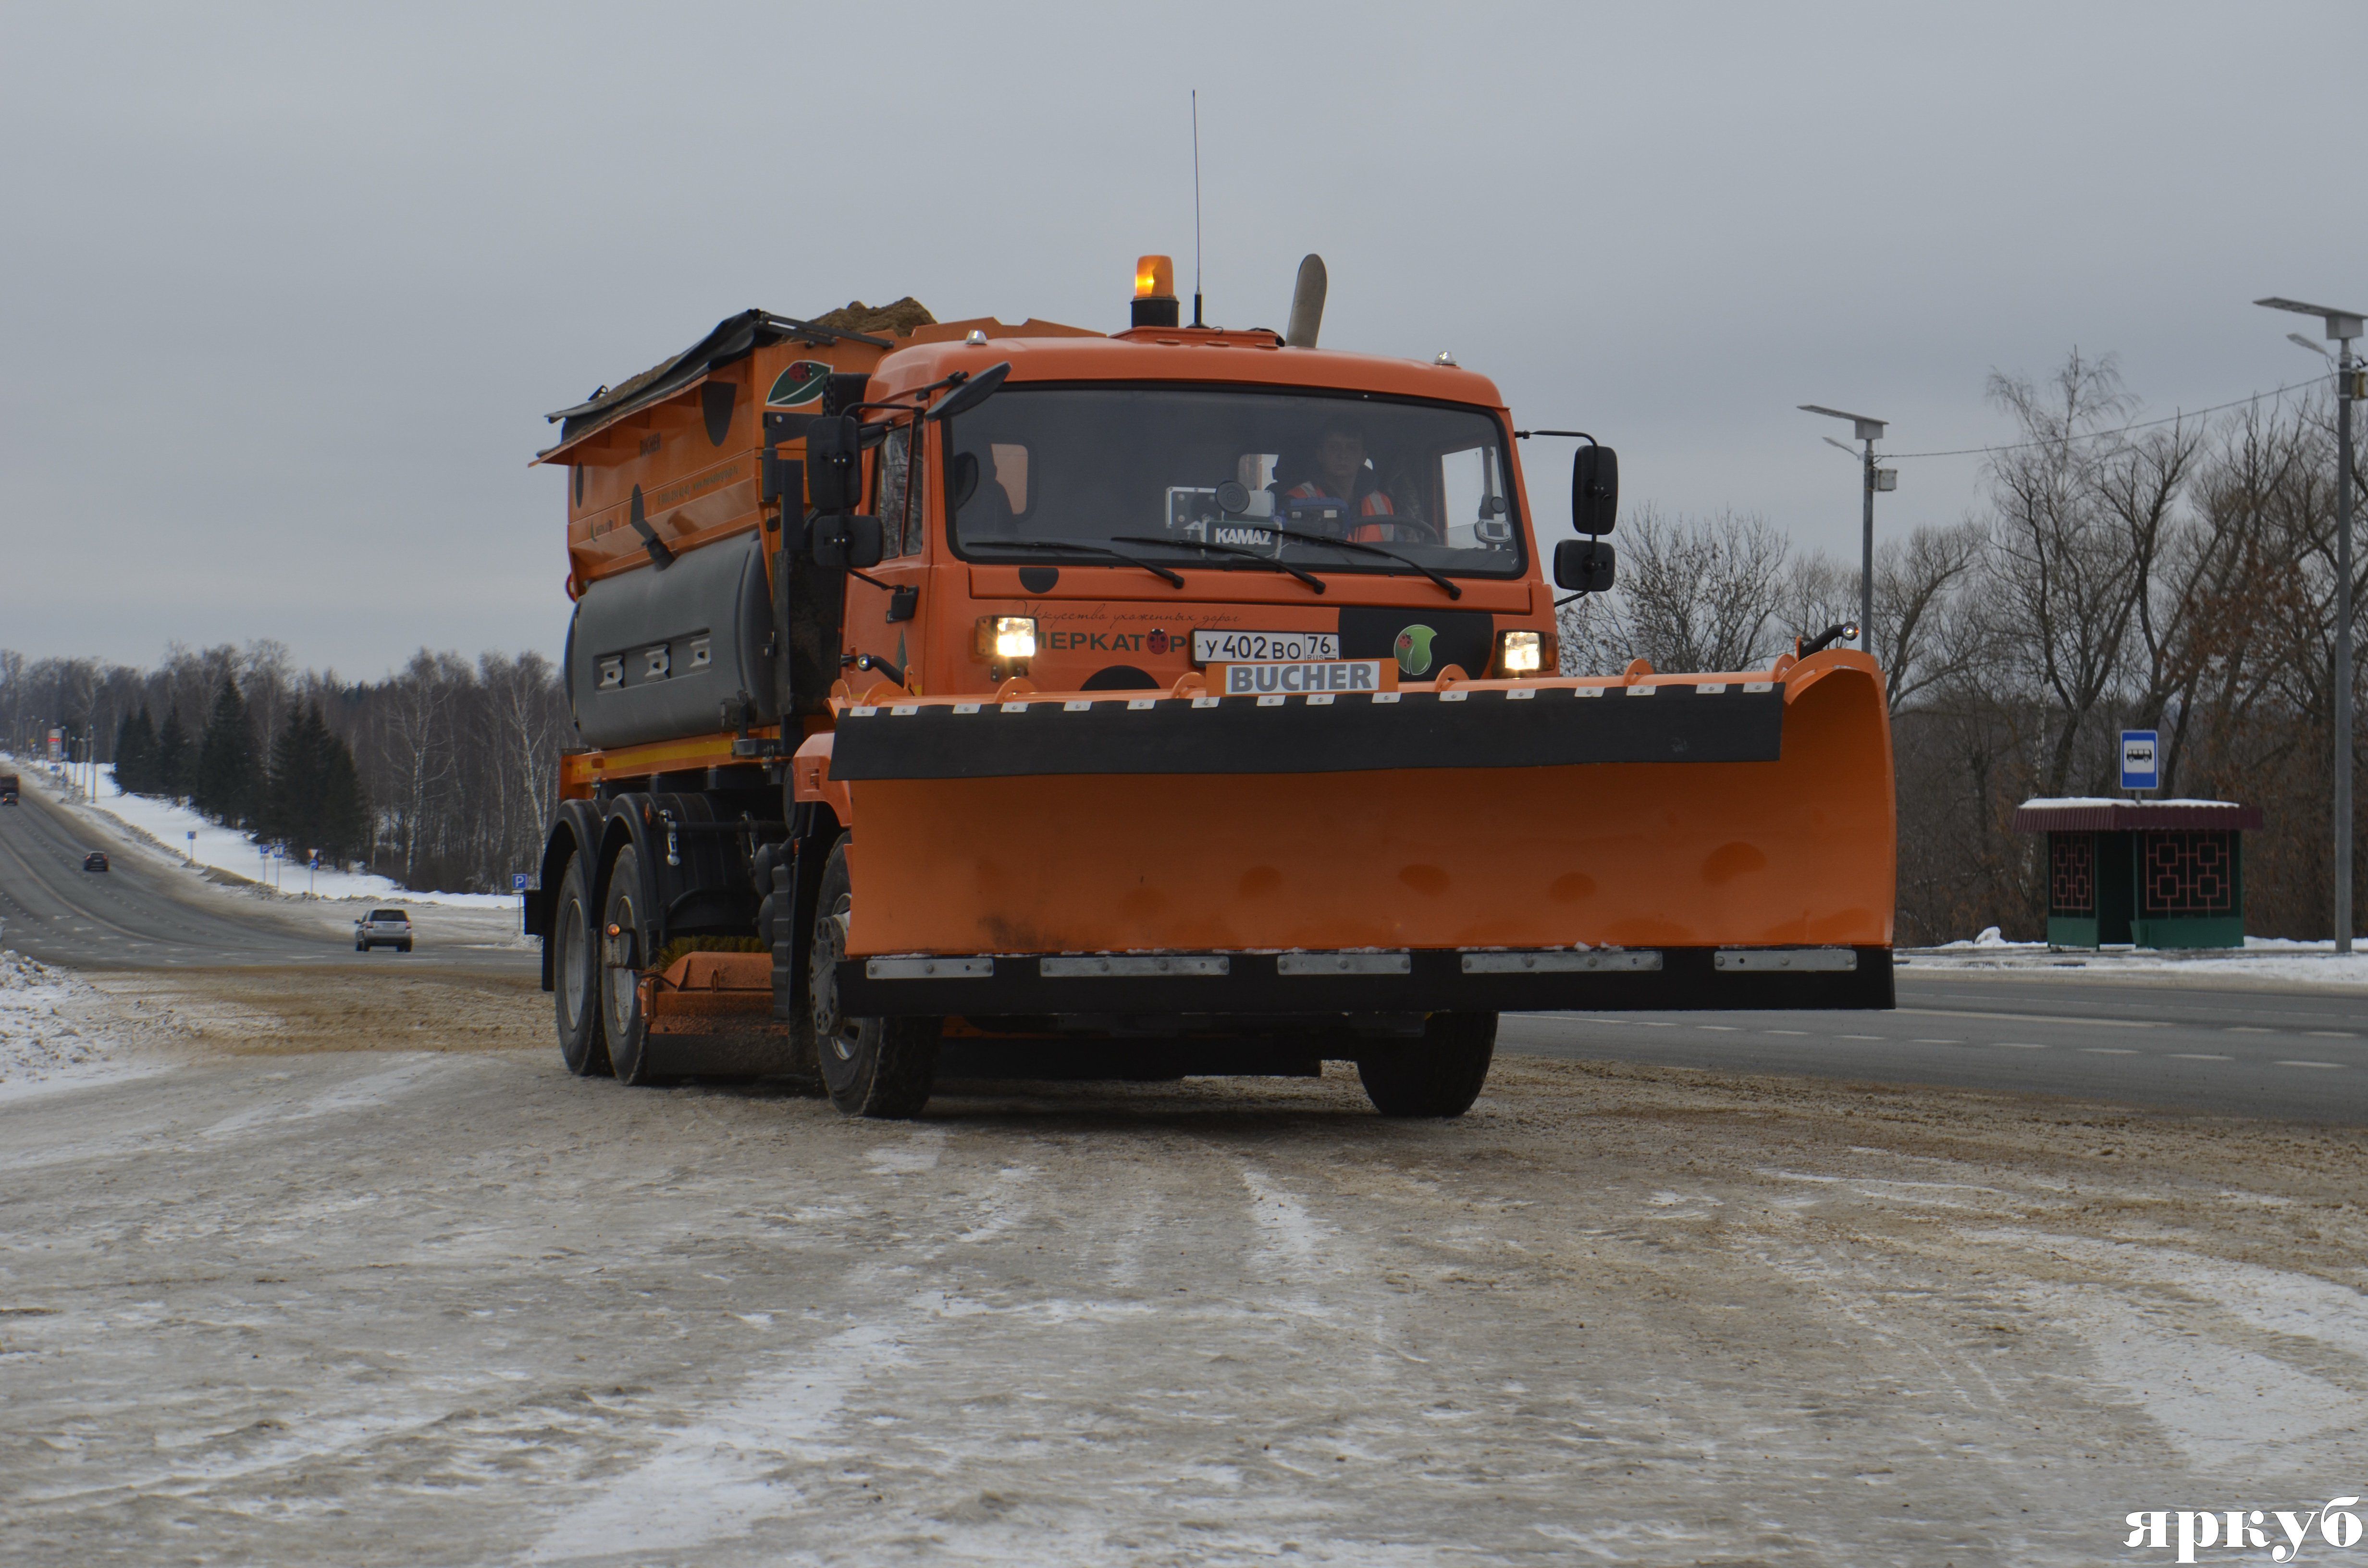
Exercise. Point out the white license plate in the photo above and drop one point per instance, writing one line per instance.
(1232, 647)
(1298, 680)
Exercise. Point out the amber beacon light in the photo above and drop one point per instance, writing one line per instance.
(1154, 292)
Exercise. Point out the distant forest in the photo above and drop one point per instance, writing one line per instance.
(441, 776)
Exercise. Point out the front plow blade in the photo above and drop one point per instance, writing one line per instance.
(1689, 816)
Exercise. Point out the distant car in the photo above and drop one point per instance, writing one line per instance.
(94, 861)
(383, 928)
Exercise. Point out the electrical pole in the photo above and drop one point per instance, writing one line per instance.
(1871, 479)
(1866, 555)
(2345, 379)
(2343, 326)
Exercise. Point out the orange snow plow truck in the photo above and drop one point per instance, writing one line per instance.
(971, 701)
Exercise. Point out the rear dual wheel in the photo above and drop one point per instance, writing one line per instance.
(1440, 1075)
(576, 974)
(874, 1067)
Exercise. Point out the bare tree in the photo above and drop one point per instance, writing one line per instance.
(2069, 581)
(1692, 594)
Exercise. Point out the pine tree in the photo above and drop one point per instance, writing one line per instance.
(135, 753)
(345, 810)
(312, 797)
(224, 787)
(171, 777)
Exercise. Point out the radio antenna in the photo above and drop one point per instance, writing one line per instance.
(1196, 209)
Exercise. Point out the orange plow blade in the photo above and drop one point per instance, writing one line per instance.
(1676, 841)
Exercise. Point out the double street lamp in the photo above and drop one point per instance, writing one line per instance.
(2342, 326)
(1870, 431)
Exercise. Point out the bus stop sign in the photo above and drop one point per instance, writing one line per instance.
(2139, 769)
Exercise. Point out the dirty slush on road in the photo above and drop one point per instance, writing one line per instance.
(438, 1301)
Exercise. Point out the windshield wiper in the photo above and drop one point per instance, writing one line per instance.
(1090, 547)
(1453, 590)
(1310, 578)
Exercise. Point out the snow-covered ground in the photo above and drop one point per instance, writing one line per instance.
(2262, 958)
(168, 826)
(48, 1037)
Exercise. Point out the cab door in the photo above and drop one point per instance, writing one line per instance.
(883, 617)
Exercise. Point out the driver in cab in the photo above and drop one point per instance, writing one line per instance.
(1343, 496)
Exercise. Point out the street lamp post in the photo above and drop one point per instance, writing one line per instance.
(1873, 479)
(2343, 326)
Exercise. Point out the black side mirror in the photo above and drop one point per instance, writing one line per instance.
(972, 392)
(844, 539)
(1594, 491)
(834, 464)
(1584, 564)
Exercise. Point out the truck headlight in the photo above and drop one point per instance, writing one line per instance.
(1007, 637)
(1518, 653)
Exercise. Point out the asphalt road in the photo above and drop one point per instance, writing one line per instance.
(2287, 1054)
(144, 915)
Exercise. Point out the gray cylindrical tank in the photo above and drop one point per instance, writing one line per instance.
(663, 651)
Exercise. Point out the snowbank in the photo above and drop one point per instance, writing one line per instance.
(40, 1048)
(2262, 958)
(169, 825)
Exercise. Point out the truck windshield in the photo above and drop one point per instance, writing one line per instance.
(1280, 475)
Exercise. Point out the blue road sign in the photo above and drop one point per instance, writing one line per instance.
(518, 882)
(2140, 770)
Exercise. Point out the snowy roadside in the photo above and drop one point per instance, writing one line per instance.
(53, 1033)
(2265, 960)
(181, 836)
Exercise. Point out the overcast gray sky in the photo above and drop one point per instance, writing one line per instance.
(285, 292)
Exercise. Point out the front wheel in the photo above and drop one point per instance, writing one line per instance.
(1440, 1075)
(576, 973)
(876, 1067)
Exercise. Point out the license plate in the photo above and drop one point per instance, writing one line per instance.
(1295, 679)
(1235, 647)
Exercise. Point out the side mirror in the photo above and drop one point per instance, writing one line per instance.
(834, 464)
(1584, 564)
(1594, 491)
(972, 392)
(843, 540)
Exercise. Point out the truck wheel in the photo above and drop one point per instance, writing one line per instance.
(1440, 1075)
(878, 1067)
(620, 982)
(575, 975)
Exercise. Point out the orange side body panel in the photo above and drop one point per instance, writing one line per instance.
(1800, 850)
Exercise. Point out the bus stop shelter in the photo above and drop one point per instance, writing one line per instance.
(2150, 873)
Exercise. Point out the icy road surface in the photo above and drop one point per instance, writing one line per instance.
(448, 1305)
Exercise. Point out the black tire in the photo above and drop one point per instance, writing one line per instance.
(361, 946)
(403, 946)
(874, 1067)
(576, 974)
(621, 984)
(1440, 1075)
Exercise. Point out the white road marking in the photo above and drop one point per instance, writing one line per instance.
(2020, 1045)
(2104, 1051)
(2310, 1063)
(2036, 1019)
(2198, 1056)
